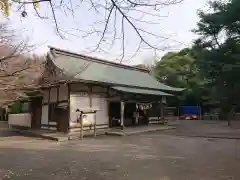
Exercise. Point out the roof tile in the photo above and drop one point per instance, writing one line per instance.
(90, 69)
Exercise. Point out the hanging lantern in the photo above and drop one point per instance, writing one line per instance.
(24, 14)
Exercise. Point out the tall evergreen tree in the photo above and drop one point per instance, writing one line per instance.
(218, 52)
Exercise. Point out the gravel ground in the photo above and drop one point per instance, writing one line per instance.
(149, 156)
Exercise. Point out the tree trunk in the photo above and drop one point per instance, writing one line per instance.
(228, 113)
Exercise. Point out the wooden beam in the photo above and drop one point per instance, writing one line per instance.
(62, 101)
(48, 125)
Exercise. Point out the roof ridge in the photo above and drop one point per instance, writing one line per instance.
(65, 52)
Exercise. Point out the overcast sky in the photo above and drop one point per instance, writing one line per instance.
(182, 18)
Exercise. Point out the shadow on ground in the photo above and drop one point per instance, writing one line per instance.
(5, 132)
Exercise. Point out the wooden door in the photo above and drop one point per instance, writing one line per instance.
(36, 113)
(62, 119)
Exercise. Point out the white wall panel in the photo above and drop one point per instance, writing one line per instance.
(101, 104)
(78, 102)
(44, 119)
(23, 120)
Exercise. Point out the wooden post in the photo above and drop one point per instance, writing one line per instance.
(178, 113)
(90, 95)
(158, 118)
(122, 115)
(81, 134)
(49, 112)
(136, 115)
(69, 107)
(95, 123)
(162, 110)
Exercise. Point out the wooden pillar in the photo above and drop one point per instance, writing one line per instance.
(136, 115)
(81, 120)
(108, 106)
(69, 107)
(162, 111)
(122, 114)
(58, 93)
(49, 111)
(95, 123)
(90, 95)
(158, 117)
(162, 108)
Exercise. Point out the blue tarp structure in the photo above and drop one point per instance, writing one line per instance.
(193, 110)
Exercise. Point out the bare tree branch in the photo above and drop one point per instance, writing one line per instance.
(123, 41)
(55, 19)
(136, 14)
(158, 3)
(105, 28)
(18, 72)
(133, 26)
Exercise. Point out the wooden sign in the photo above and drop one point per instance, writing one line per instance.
(145, 106)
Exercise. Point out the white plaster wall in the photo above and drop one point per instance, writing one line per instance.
(44, 119)
(101, 104)
(23, 120)
(78, 102)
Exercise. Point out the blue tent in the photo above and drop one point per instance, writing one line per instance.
(193, 110)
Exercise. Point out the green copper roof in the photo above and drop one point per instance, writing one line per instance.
(140, 91)
(92, 69)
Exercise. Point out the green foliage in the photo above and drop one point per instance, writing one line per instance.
(218, 51)
(210, 70)
(178, 69)
(20, 107)
(15, 108)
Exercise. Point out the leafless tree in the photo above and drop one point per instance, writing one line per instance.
(148, 64)
(18, 71)
(115, 18)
